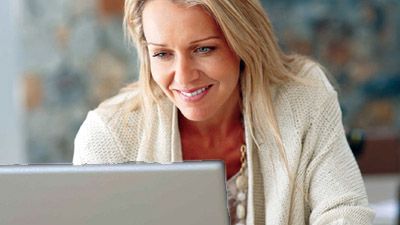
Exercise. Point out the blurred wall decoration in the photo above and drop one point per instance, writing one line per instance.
(75, 57)
(359, 43)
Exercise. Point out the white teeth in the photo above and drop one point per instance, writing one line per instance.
(195, 93)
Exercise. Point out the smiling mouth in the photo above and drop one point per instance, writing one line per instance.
(196, 92)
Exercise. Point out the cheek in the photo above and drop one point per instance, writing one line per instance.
(160, 77)
(226, 62)
(220, 67)
(228, 70)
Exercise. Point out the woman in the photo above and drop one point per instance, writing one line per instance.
(213, 84)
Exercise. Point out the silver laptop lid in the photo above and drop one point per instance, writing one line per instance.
(143, 194)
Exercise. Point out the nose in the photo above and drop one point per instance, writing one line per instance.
(185, 71)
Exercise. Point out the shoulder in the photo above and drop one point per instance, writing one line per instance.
(100, 138)
(120, 112)
(311, 79)
(302, 100)
(311, 87)
(126, 101)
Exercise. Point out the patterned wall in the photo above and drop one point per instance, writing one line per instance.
(75, 56)
(359, 43)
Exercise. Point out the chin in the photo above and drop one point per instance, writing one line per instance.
(196, 116)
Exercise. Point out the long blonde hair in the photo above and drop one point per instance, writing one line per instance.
(249, 33)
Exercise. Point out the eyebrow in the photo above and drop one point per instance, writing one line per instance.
(193, 42)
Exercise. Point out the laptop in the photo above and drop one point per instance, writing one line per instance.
(134, 193)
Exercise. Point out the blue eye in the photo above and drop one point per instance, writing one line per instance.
(160, 55)
(204, 49)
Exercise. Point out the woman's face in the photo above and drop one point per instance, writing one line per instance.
(191, 60)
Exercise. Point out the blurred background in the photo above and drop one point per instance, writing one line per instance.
(61, 58)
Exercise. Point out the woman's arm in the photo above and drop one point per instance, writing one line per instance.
(336, 191)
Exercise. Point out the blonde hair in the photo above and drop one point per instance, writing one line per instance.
(265, 65)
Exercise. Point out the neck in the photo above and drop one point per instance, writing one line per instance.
(221, 126)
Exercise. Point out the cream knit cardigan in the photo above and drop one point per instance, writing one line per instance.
(328, 187)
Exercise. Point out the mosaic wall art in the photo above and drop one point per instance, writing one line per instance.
(74, 57)
(359, 43)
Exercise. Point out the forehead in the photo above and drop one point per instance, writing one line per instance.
(163, 19)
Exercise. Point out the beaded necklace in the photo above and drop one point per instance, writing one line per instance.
(241, 184)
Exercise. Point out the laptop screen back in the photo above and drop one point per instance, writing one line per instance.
(143, 194)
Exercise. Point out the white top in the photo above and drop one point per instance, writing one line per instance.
(327, 189)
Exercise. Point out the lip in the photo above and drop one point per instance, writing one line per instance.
(196, 97)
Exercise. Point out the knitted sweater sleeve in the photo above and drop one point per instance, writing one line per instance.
(336, 191)
(95, 143)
